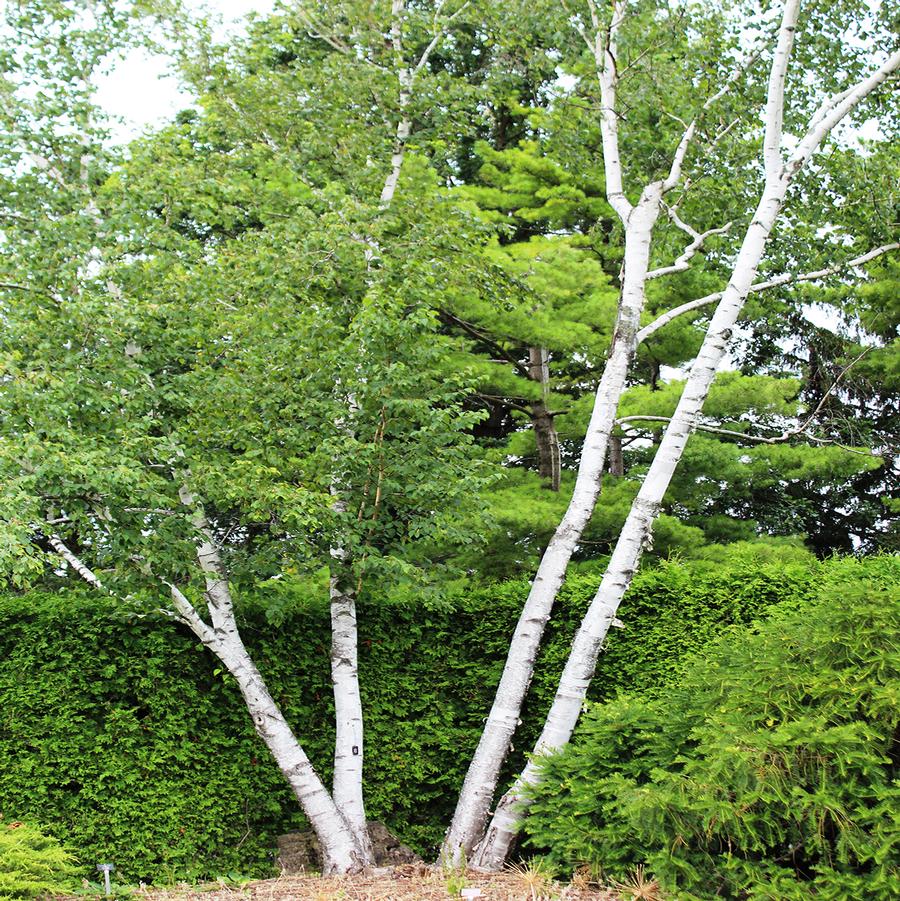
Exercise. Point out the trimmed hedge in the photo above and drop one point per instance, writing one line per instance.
(124, 737)
(771, 770)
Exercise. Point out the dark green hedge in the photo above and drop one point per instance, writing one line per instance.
(770, 770)
(123, 738)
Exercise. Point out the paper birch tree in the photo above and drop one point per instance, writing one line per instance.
(781, 163)
(159, 438)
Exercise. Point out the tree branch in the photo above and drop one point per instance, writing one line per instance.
(775, 95)
(787, 434)
(440, 31)
(681, 150)
(187, 614)
(218, 595)
(603, 48)
(318, 31)
(478, 335)
(778, 281)
(835, 108)
(756, 439)
(690, 130)
(78, 565)
(683, 262)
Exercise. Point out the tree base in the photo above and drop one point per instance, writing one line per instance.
(300, 852)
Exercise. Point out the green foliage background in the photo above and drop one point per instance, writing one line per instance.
(770, 770)
(122, 735)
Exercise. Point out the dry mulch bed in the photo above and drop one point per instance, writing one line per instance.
(402, 883)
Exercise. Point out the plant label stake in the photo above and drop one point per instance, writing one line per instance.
(106, 869)
(470, 893)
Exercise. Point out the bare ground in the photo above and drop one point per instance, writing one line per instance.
(402, 883)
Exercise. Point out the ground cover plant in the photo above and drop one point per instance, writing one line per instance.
(32, 865)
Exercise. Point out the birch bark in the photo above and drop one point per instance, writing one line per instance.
(341, 848)
(349, 747)
(347, 784)
(566, 708)
(636, 533)
(472, 808)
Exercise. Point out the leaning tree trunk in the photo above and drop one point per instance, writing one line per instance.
(580, 666)
(564, 712)
(475, 798)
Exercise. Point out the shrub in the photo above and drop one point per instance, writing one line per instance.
(32, 865)
(769, 772)
(123, 732)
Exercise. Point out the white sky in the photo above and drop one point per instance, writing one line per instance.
(139, 89)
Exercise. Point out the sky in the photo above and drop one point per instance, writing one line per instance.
(139, 89)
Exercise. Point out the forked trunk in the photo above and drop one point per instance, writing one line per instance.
(481, 779)
(579, 670)
(340, 849)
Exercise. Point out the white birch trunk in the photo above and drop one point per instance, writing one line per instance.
(347, 782)
(404, 127)
(405, 77)
(347, 785)
(588, 642)
(475, 798)
(342, 852)
(579, 669)
(472, 808)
